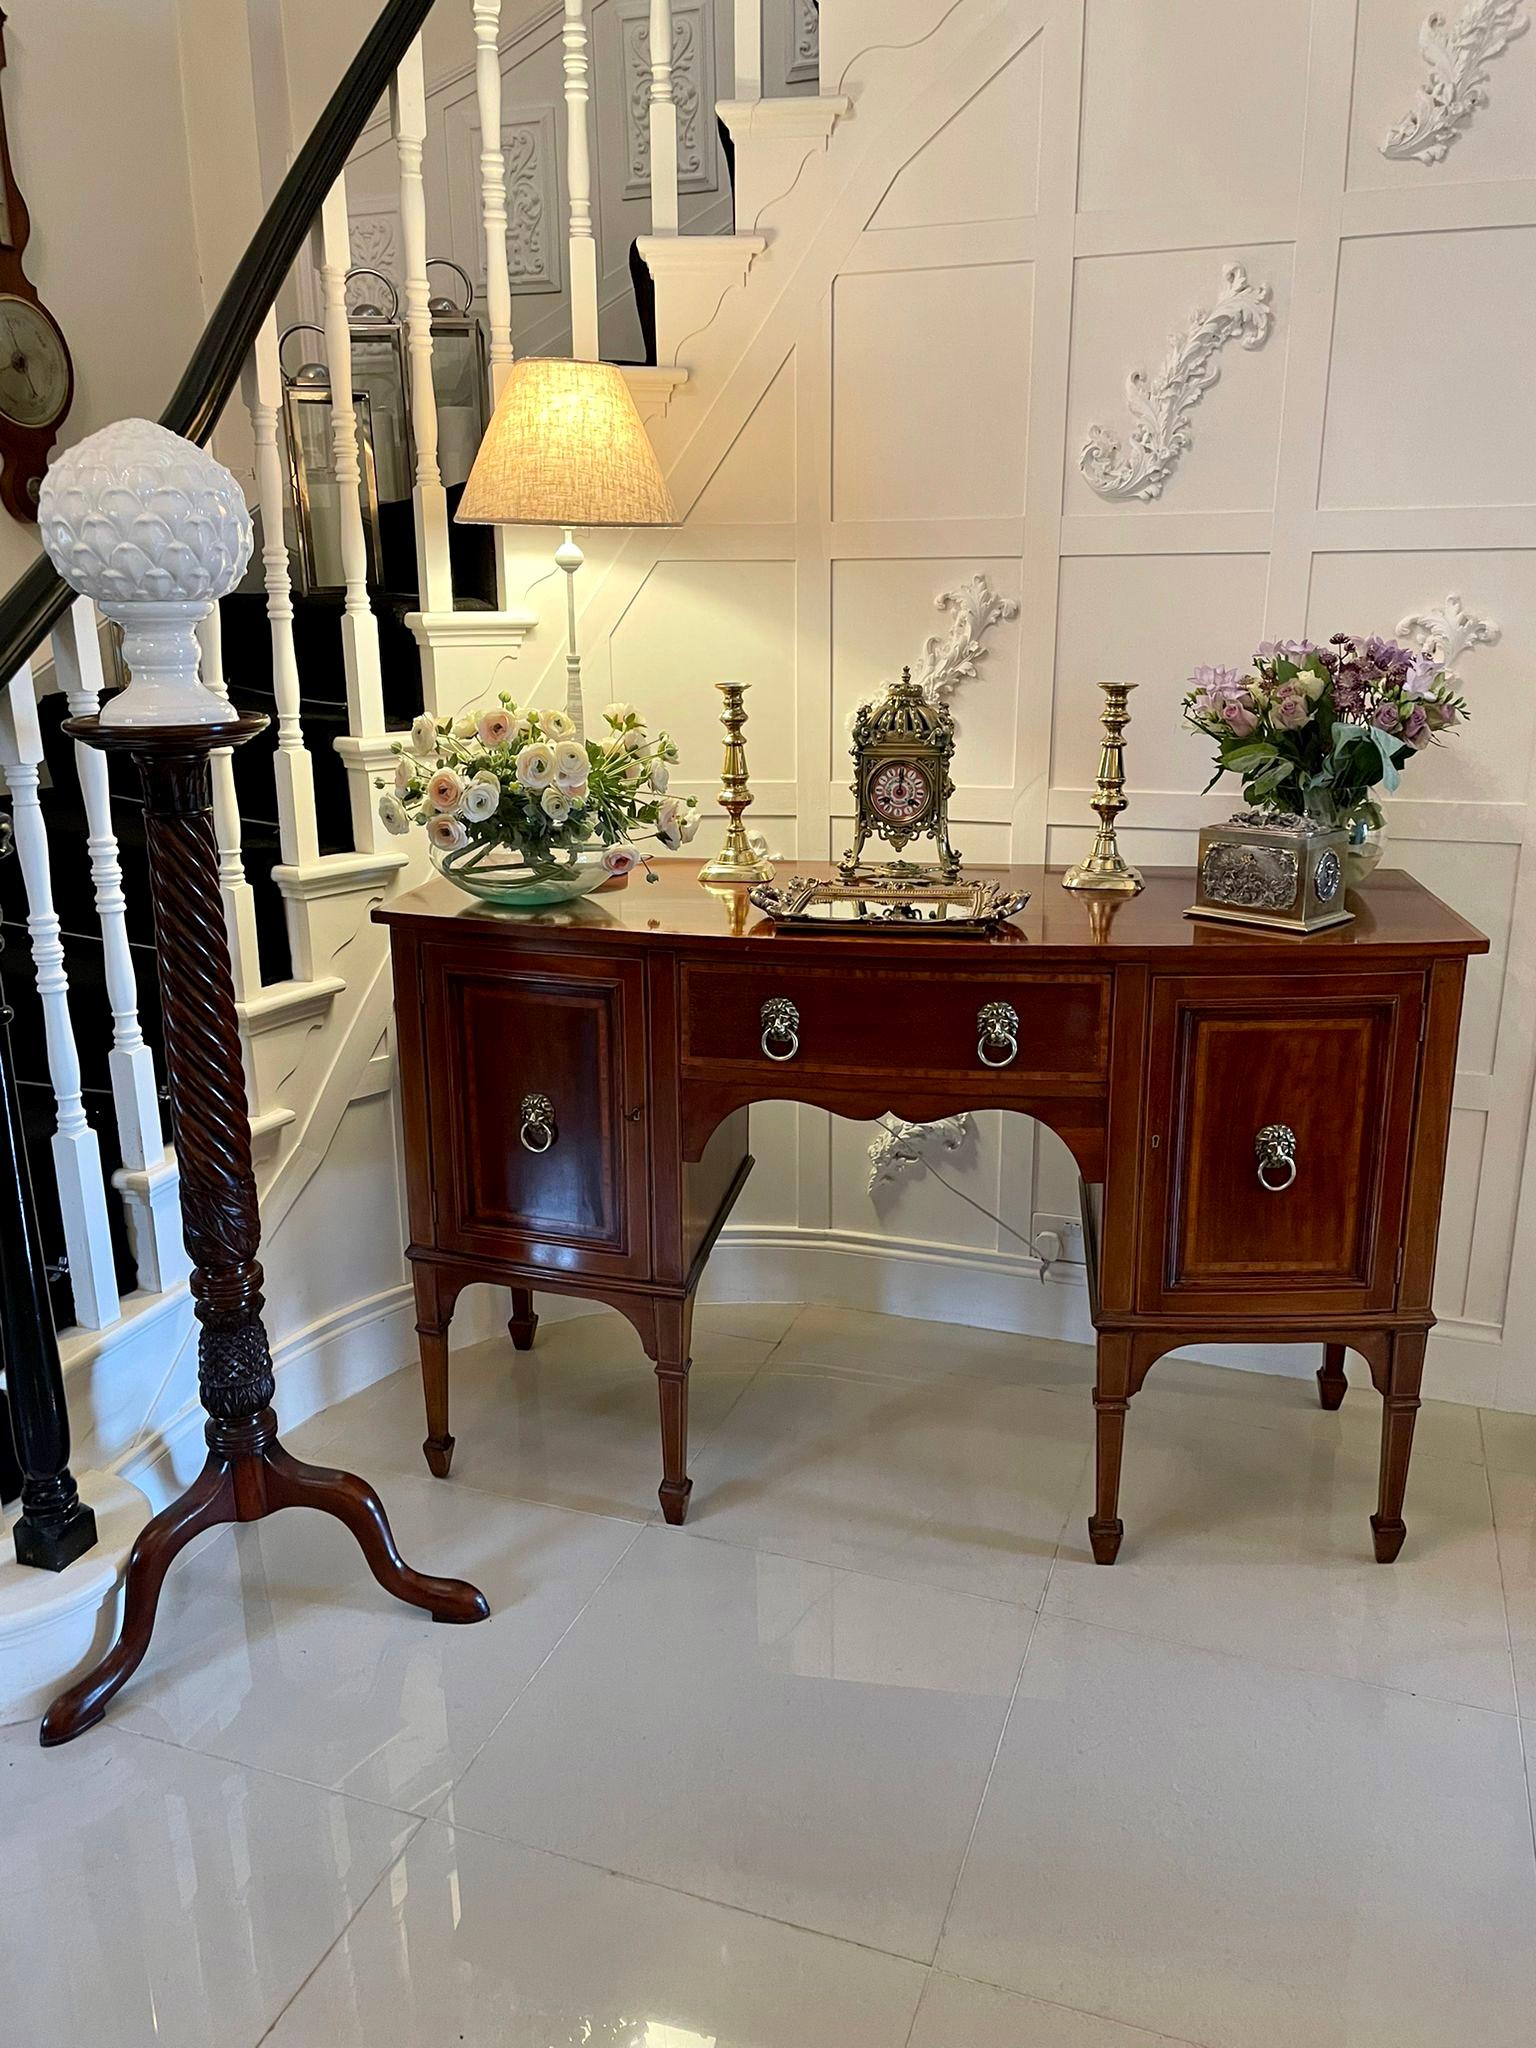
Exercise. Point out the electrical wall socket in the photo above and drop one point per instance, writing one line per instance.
(1067, 1230)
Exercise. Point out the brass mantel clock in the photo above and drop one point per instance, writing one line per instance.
(902, 749)
(37, 379)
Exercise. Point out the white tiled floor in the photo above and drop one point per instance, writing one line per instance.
(867, 1756)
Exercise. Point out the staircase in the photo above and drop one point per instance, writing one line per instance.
(338, 674)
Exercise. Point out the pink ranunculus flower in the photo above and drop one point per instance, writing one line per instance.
(444, 790)
(619, 860)
(495, 728)
(446, 833)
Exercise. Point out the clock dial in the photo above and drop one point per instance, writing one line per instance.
(34, 364)
(900, 792)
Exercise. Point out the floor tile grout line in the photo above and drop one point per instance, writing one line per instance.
(986, 1787)
(1059, 2005)
(1509, 1636)
(298, 1991)
(512, 1841)
(240, 1763)
(1405, 1692)
(856, 1571)
(458, 1778)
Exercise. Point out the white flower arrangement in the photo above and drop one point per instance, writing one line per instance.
(515, 778)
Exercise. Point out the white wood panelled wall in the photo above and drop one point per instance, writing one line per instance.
(1033, 196)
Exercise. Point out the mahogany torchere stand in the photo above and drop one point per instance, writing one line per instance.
(248, 1474)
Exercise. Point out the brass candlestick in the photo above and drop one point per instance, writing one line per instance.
(738, 861)
(1105, 868)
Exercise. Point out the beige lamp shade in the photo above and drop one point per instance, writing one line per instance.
(565, 447)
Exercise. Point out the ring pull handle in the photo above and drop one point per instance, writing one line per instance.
(1275, 1151)
(538, 1132)
(781, 1028)
(997, 1032)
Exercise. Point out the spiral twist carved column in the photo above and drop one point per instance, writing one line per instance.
(248, 1474)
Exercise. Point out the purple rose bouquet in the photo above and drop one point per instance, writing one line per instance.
(1317, 731)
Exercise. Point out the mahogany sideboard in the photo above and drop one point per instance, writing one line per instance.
(1259, 1119)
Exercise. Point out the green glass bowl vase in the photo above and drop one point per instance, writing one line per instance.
(502, 875)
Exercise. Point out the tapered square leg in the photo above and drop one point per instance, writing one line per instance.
(522, 1324)
(1401, 1380)
(1111, 1398)
(435, 1299)
(674, 1337)
(1332, 1386)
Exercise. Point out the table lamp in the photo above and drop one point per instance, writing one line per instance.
(566, 448)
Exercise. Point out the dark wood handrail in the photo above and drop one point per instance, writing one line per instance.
(36, 602)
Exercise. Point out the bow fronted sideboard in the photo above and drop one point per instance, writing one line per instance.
(1259, 1120)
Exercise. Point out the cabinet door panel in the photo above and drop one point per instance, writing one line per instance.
(499, 1031)
(1338, 1070)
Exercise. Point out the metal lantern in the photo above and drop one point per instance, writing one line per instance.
(312, 472)
(380, 369)
(458, 375)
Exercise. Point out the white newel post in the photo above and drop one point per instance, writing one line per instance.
(408, 114)
(578, 148)
(76, 1154)
(298, 833)
(239, 898)
(493, 212)
(663, 119)
(361, 660)
(749, 49)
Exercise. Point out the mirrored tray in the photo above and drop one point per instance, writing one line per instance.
(917, 904)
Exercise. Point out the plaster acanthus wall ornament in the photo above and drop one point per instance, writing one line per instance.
(1160, 404)
(805, 43)
(375, 246)
(950, 659)
(1447, 631)
(533, 252)
(1457, 54)
(903, 1146)
(693, 89)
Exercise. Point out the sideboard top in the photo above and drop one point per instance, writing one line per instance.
(1393, 914)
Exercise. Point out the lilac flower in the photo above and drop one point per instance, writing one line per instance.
(1423, 673)
(1217, 682)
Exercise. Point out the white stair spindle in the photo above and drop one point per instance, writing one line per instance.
(577, 66)
(493, 212)
(239, 898)
(408, 113)
(76, 1155)
(749, 49)
(77, 663)
(359, 628)
(297, 832)
(663, 117)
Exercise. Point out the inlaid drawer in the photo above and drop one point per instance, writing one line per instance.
(842, 1023)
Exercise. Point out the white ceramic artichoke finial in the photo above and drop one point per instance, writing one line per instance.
(156, 531)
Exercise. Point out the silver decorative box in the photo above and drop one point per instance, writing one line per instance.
(1268, 867)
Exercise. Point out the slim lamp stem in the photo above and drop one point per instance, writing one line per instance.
(570, 558)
